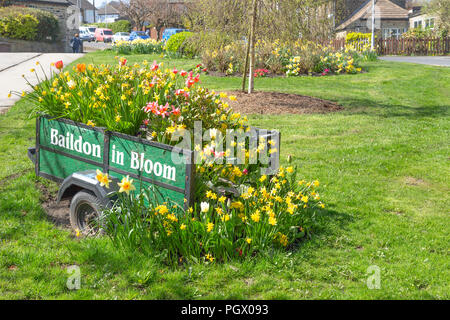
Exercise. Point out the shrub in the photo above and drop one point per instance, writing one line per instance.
(420, 33)
(28, 24)
(177, 44)
(358, 37)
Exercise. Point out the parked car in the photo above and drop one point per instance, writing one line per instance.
(170, 32)
(103, 35)
(121, 36)
(92, 30)
(85, 35)
(138, 35)
(89, 30)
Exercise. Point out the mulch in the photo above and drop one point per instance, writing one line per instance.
(261, 102)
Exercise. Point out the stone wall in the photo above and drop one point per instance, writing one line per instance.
(63, 13)
(67, 17)
(13, 45)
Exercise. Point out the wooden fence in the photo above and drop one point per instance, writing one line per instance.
(418, 47)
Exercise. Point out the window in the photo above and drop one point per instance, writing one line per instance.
(429, 23)
(418, 24)
(393, 33)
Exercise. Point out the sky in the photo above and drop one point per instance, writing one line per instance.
(99, 3)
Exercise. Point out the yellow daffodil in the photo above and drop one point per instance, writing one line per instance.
(126, 185)
(103, 178)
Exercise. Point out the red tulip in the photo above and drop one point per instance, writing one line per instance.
(155, 66)
(59, 64)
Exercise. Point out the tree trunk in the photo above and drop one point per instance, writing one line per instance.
(244, 73)
(252, 48)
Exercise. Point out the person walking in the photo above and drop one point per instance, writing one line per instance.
(76, 43)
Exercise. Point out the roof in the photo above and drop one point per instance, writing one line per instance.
(84, 4)
(110, 9)
(416, 11)
(386, 9)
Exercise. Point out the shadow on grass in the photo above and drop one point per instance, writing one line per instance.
(372, 108)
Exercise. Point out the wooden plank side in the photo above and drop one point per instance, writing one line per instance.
(73, 139)
(65, 147)
(147, 161)
(60, 166)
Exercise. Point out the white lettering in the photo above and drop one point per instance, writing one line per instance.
(169, 172)
(158, 169)
(134, 160)
(87, 148)
(78, 145)
(148, 166)
(54, 136)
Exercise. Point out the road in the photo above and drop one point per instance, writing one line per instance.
(442, 61)
(95, 46)
(14, 65)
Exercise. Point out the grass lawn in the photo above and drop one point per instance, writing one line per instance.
(384, 166)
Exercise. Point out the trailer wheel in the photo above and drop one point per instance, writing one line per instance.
(85, 210)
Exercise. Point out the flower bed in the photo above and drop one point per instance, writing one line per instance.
(237, 210)
(300, 58)
(138, 46)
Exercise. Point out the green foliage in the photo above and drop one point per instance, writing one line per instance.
(28, 24)
(20, 26)
(116, 26)
(420, 33)
(177, 44)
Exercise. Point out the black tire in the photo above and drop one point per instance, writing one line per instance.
(85, 210)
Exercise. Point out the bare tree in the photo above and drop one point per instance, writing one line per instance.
(165, 13)
(277, 19)
(137, 11)
(156, 13)
(440, 9)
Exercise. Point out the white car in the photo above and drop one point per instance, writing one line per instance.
(88, 31)
(121, 36)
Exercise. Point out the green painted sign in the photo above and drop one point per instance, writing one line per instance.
(65, 147)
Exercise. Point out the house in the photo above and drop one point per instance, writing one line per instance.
(418, 18)
(391, 19)
(109, 12)
(62, 9)
(87, 10)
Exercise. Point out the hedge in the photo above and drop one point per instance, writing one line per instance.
(28, 24)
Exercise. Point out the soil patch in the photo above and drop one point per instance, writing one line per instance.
(262, 102)
(58, 213)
